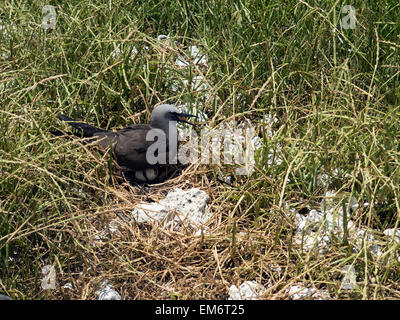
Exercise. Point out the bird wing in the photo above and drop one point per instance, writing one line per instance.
(131, 146)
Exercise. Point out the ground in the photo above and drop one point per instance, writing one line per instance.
(319, 81)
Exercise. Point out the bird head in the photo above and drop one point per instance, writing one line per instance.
(164, 113)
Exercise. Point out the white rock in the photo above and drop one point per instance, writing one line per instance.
(195, 54)
(49, 278)
(106, 233)
(175, 85)
(166, 41)
(276, 269)
(273, 157)
(68, 286)
(162, 37)
(133, 53)
(349, 281)
(248, 290)
(362, 236)
(181, 62)
(299, 292)
(244, 134)
(309, 223)
(335, 222)
(392, 234)
(149, 212)
(113, 226)
(226, 178)
(315, 229)
(375, 249)
(190, 205)
(314, 241)
(169, 290)
(269, 121)
(326, 179)
(256, 142)
(331, 200)
(198, 84)
(106, 292)
(353, 203)
(178, 207)
(80, 192)
(201, 230)
(117, 52)
(329, 222)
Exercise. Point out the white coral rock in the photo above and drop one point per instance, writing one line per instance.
(248, 290)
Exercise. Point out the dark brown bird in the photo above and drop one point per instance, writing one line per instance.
(136, 147)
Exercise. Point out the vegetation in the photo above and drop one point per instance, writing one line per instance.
(334, 91)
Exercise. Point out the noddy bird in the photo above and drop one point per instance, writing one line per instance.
(131, 144)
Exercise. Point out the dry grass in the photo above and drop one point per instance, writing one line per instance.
(335, 93)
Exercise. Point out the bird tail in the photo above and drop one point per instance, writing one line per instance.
(84, 129)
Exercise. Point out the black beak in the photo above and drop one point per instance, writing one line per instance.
(180, 117)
